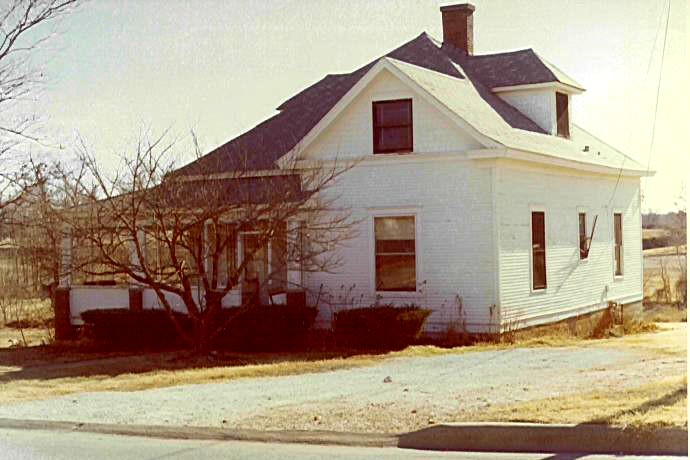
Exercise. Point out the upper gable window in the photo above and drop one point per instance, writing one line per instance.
(562, 115)
(392, 126)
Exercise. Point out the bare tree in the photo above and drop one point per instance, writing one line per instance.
(24, 27)
(177, 234)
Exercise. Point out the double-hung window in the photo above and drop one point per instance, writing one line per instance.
(584, 246)
(395, 253)
(538, 250)
(392, 126)
(618, 244)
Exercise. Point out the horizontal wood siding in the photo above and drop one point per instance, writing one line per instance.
(351, 133)
(573, 285)
(452, 205)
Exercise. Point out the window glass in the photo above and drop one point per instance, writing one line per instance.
(618, 243)
(582, 217)
(538, 251)
(392, 126)
(395, 253)
(562, 117)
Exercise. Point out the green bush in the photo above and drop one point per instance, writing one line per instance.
(382, 327)
(121, 328)
(266, 328)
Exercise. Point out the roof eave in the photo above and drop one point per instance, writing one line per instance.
(556, 85)
(548, 160)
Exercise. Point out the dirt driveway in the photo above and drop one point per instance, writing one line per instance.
(395, 395)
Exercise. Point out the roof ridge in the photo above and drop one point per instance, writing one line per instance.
(503, 53)
(548, 64)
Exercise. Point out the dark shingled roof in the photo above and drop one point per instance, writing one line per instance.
(228, 191)
(260, 147)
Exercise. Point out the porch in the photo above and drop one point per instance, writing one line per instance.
(265, 277)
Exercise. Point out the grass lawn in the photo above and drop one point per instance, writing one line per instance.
(42, 372)
(662, 403)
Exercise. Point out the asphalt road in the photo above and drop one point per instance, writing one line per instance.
(59, 445)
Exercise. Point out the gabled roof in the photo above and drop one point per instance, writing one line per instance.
(516, 68)
(460, 80)
(464, 99)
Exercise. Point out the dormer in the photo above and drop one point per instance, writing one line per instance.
(548, 104)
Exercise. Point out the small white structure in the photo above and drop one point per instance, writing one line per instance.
(478, 197)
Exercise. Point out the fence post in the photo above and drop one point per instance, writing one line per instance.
(136, 299)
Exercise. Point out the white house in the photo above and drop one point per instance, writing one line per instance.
(476, 192)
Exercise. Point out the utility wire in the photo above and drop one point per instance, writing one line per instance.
(649, 66)
(658, 87)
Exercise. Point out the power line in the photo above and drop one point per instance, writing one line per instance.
(658, 86)
(649, 66)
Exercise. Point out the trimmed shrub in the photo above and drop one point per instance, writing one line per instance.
(376, 328)
(121, 328)
(266, 328)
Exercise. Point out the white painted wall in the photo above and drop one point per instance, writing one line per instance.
(537, 104)
(351, 133)
(451, 201)
(573, 286)
(83, 298)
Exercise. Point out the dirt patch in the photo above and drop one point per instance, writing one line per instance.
(387, 395)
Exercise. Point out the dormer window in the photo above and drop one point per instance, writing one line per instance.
(393, 126)
(562, 115)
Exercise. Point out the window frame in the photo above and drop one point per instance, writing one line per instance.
(376, 128)
(618, 263)
(565, 125)
(582, 258)
(540, 289)
(395, 212)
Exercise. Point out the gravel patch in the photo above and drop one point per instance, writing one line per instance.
(395, 395)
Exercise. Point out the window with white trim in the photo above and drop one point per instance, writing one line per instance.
(538, 250)
(392, 126)
(396, 267)
(618, 243)
(584, 246)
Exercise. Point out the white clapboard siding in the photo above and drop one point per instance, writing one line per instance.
(350, 135)
(573, 286)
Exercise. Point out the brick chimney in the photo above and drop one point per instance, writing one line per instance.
(458, 26)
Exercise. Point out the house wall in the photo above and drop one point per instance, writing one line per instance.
(351, 133)
(574, 286)
(449, 196)
(84, 298)
(451, 202)
(537, 104)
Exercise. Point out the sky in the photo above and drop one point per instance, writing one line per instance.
(220, 67)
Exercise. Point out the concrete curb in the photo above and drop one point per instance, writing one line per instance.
(210, 433)
(477, 437)
(535, 437)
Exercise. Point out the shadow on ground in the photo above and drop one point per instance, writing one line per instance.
(53, 362)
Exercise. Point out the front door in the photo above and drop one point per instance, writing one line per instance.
(256, 270)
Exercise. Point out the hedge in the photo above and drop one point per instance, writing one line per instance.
(266, 328)
(133, 329)
(380, 327)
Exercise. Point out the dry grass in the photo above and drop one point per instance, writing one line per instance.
(648, 233)
(47, 372)
(10, 337)
(662, 403)
(39, 373)
(129, 373)
(665, 251)
(664, 271)
(659, 313)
